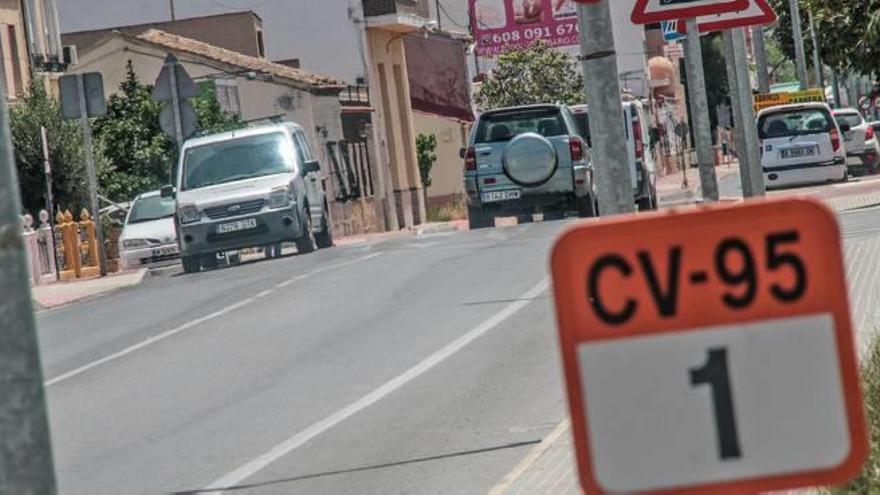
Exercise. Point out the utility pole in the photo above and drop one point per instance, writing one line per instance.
(699, 104)
(439, 15)
(607, 126)
(835, 88)
(26, 452)
(173, 15)
(798, 36)
(761, 59)
(752, 148)
(89, 151)
(817, 56)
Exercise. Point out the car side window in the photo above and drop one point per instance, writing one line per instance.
(302, 152)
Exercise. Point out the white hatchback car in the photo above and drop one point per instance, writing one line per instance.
(862, 148)
(801, 144)
(149, 235)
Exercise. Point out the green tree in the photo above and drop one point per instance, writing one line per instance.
(426, 149)
(849, 32)
(211, 116)
(138, 150)
(65, 152)
(536, 74)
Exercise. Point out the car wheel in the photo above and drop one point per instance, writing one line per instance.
(586, 207)
(305, 244)
(190, 264)
(324, 238)
(209, 261)
(479, 218)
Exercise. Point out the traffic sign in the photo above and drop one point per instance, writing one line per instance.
(188, 120)
(710, 351)
(673, 51)
(671, 30)
(651, 11)
(758, 13)
(186, 87)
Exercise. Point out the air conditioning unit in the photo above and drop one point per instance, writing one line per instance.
(71, 56)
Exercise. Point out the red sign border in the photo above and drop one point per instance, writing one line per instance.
(641, 16)
(848, 359)
(769, 17)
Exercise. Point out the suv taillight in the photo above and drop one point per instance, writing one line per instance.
(835, 139)
(638, 140)
(577, 149)
(869, 134)
(470, 159)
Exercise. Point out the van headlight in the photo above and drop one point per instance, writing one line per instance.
(279, 197)
(189, 214)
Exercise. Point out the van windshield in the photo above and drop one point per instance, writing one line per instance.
(794, 123)
(237, 159)
(500, 127)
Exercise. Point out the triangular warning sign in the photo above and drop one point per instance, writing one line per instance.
(652, 11)
(759, 13)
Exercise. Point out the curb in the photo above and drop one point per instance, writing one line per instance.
(532, 457)
(138, 279)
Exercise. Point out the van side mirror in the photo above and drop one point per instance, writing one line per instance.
(311, 167)
(167, 192)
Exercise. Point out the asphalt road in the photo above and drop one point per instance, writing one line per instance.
(419, 365)
(416, 365)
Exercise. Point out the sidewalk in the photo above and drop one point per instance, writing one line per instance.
(63, 293)
(671, 189)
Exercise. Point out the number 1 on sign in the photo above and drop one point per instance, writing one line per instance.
(715, 374)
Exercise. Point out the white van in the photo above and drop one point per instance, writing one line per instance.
(801, 144)
(641, 161)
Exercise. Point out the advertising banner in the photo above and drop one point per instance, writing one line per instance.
(500, 25)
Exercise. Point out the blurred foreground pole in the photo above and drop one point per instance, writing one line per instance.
(25, 448)
(761, 59)
(607, 126)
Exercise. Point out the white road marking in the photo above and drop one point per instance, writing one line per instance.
(299, 439)
(190, 324)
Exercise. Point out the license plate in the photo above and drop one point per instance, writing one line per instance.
(798, 152)
(496, 196)
(237, 226)
(165, 251)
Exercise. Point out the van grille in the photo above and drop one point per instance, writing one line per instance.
(235, 209)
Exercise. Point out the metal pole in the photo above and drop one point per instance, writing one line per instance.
(26, 453)
(736, 105)
(90, 171)
(439, 16)
(607, 126)
(817, 57)
(700, 111)
(175, 106)
(50, 197)
(761, 59)
(173, 15)
(752, 148)
(798, 37)
(835, 87)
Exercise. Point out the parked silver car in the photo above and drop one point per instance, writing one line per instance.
(254, 187)
(526, 160)
(148, 235)
(862, 148)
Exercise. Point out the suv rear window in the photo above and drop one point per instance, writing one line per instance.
(794, 123)
(850, 119)
(499, 127)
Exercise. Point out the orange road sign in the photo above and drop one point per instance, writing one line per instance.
(710, 351)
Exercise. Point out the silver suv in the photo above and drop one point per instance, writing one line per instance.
(525, 160)
(254, 187)
(862, 147)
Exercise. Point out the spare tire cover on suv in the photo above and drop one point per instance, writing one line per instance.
(530, 160)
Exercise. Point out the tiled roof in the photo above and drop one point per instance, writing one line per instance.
(295, 77)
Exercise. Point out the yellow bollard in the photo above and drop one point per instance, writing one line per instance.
(90, 248)
(70, 246)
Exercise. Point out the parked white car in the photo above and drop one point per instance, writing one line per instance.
(801, 144)
(862, 148)
(149, 235)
